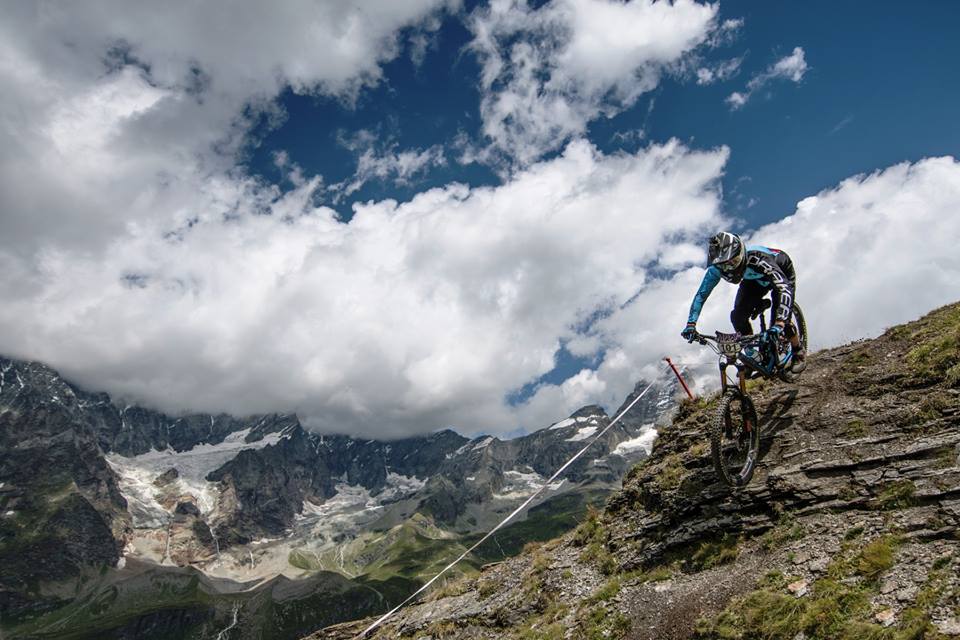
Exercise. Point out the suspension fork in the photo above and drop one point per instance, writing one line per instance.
(742, 384)
(741, 379)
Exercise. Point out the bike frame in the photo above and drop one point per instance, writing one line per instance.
(728, 348)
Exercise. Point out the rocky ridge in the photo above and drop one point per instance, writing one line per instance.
(848, 529)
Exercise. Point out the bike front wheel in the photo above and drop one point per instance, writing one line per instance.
(735, 438)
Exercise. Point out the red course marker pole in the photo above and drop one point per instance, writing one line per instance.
(679, 377)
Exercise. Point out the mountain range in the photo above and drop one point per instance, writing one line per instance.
(121, 521)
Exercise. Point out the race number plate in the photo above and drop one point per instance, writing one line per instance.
(729, 343)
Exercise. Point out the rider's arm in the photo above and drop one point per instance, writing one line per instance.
(710, 280)
(771, 271)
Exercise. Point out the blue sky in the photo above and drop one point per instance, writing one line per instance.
(879, 91)
(417, 106)
(394, 216)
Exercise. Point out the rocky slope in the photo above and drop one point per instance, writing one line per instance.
(99, 501)
(848, 530)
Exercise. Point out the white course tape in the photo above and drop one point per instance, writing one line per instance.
(523, 506)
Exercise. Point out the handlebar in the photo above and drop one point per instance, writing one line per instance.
(702, 339)
(714, 342)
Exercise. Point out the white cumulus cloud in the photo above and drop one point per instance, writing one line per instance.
(410, 317)
(548, 71)
(115, 114)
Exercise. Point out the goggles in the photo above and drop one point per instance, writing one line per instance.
(730, 265)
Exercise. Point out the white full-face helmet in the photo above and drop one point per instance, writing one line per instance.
(727, 252)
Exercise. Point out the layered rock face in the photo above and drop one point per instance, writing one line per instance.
(850, 527)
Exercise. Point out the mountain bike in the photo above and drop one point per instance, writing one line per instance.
(735, 430)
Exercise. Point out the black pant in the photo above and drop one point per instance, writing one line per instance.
(750, 295)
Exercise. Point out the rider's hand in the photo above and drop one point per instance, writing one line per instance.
(689, 331)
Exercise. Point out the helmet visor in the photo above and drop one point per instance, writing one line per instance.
(731, 265)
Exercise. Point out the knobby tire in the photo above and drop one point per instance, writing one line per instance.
(740, 409)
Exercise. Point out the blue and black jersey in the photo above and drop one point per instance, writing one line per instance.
(767, 269)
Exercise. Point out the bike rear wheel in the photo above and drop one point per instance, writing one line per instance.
(800, 327)
(735, 438)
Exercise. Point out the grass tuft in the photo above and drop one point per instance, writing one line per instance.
(937, 356)
(876, 557)
(671, 472)
(853, 532)
(855, 429)
(590, 530)
(687, 407)
(897, 495)
(601, 624)
(597, 553)
(780, 535)
(486, 587)
(656, 574)
(609, 589)
(715, 553)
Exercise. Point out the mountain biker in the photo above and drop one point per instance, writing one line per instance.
(757, 270)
